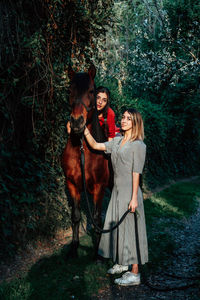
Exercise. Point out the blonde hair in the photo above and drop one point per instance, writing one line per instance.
(137, 124)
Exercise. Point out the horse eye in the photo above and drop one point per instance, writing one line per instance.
(91, 91)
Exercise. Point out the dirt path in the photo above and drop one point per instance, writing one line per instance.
(184, 263)
(24, 260)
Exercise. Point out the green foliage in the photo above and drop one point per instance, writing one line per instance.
(38, 41)
(146, 52)
(153, 60)
(30, 200)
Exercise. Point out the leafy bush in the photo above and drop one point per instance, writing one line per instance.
(34, 57)
(33, 201)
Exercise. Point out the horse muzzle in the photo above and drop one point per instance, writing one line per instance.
(77, 124)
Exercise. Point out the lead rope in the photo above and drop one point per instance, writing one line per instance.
(85, 191)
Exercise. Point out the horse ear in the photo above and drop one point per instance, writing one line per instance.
(71, 72)
(92, 71)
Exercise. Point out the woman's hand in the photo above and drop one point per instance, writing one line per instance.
(91, 141)
(133, 204)
(86, 131)
(68, 126)
(134, 201)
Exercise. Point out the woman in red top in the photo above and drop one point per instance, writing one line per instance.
(105, 114)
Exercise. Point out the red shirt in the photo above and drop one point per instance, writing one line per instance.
(110, 122)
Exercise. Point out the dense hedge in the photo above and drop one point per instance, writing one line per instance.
(152, 63)
(172, 129)
(38, 41)
(141, 56)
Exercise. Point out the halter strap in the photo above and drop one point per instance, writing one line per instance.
(86, 107)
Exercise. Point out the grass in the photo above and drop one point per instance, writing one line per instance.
(55, 277)
(176, 201)
(164, 209)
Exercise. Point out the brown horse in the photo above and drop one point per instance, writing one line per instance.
(83, 104)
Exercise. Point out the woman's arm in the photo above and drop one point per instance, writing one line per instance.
(134, 202)
(91, 141)
(111, 124)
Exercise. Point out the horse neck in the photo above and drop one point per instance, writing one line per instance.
(94, 127)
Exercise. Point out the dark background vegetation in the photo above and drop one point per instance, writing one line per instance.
(146, 52)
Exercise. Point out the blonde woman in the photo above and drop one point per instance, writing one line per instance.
(126, 245)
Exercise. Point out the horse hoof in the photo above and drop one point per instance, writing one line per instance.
(98, 260)
(74, 249)
(71, 254)
(71, 251)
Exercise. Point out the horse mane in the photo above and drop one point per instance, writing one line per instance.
(82, 81)
(97, 131)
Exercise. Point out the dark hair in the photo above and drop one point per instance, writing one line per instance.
(103, 89)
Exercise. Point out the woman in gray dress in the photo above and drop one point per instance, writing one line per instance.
(126, 245)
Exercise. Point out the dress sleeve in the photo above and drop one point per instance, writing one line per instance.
(139, 154)
(111, 123)
(109, 146)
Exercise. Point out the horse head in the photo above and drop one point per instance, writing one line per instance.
(82, 97)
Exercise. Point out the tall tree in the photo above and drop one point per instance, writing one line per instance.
(153, 57)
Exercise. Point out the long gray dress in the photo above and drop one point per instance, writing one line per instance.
(128, 243)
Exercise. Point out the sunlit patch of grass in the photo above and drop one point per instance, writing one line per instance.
(163, 209)
(165, 206)
(177, 201)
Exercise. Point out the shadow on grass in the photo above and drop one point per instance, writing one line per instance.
(62, 277)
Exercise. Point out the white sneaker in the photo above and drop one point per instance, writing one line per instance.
(117, 269)
(128, 278)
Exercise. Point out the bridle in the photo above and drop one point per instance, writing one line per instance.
(86, 107)
(77, 101)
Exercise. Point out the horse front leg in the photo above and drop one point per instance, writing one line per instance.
(98, 195)
(75, 218)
